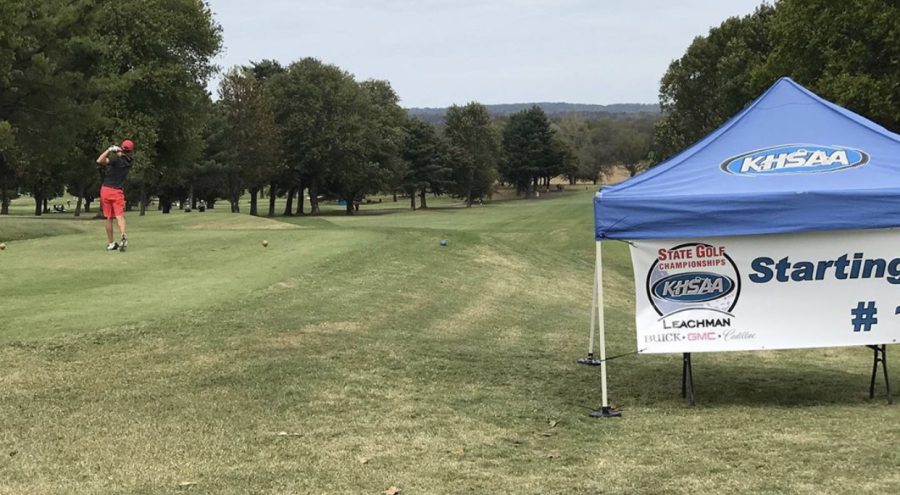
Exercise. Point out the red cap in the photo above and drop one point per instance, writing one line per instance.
(127, 145)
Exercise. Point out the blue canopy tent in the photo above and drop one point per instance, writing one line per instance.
(723, 184)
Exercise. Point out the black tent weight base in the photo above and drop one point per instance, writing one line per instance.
(590, 360)
(606, 412)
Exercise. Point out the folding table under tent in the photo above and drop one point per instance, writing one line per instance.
(775, 231)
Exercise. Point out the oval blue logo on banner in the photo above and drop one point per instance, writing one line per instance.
(693, 287)
(795, 159)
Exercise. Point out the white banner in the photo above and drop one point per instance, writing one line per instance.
(768, 292)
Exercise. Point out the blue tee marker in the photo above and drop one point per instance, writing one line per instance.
(443, 242)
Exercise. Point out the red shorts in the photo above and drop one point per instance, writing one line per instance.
(113, 202)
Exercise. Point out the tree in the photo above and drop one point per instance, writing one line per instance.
(81, 75)
(427, 157)
(713, 80)
(584, 140)
(7, 174)
(373, 135)
(251, 135)
(217, 151)
(530, 150)
(316, 109)
(599, 145)
(848, 52)
(281, 176)
(477, 149)
(80, 172)
(631, 142)
(151, 85)
(41, 91)
(147, 79)
(567, 162)
(844, 51)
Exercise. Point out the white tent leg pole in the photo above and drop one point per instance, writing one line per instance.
(593, 316)
(605, 411)
(589, 360)
(598, 282)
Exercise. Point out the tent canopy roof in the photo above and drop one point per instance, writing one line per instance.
(789, 162)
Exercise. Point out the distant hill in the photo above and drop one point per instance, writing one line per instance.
(553, 110)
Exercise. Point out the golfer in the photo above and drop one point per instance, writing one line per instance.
(112, 192)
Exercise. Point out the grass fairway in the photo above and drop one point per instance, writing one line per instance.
(355, 354)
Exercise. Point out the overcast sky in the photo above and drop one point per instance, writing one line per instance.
(439, 52)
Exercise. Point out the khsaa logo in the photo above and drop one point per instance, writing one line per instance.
(795, 159)
(693, 277)
(693, 287)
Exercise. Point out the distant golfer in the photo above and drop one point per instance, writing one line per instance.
(112, 193)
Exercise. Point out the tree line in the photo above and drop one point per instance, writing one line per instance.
(77, 76)
(312, 127)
